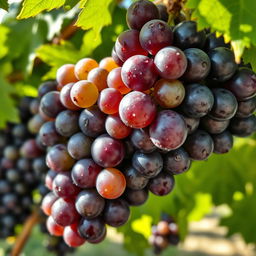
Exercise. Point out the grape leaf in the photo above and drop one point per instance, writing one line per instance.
(4, 31)
(71, 3)
(8, 112)
(249, 56)
(4, 4)
(31, 8)
(95, 15)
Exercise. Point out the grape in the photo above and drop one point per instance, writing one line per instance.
(30, 149)
(141, 12)
(198, 66)
(47, 203)
(162, 184)
(84, 94)
(13, 175)
(66, 123)
(148, 165)
(162, 9)
(83, 67)
(58, 158)
(72, 237)
(136, 197)
(186, 35)
(65, 75)
(225, 104)
(214, 126)
(64, 212)
(19, 131)
(110, 183)
(129, 149)
(116, 128)
(137, 110)
(116, 58)
(243, 127)
(138, 73)
(65, 98)
(223, 65)
(54, 228)
(212, 41)
(223, 142)
(141, 140)
(47, 87)
(92, 122)
(89, 203)
(115, 81)
(98, 76)
(199, 145)
(198, 101)
(192, 123)
(168, 131)
(49, 178)
(63, 186)
(39, 165)
(34, 106)
(50, 104)
(128, 45)
(11, 152)
(242, 84)
(134, 180)
(109, 100)
(155, 35)
(116, 213)
(170, 62)
(35, 123)
(176, 161)
(107, 151)
(6, 163)
(85, 172)
(10, 201)
(48, 134)
(79, 146)
(162, 228)
(100, 238)
(91, 229)
(169, 93)
(108, 63)
(246, 108)
(5, 187)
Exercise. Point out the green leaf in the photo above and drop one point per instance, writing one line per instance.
(71, 3)
(31, 8)
(250, 57)
(4, 4)
(8, 112)
(95, 15)
(4, 31)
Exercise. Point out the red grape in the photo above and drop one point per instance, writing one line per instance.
(65, 98)
(72, 237)
(54, 228)
(47, 203)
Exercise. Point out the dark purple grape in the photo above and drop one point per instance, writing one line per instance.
(223, 65)
(162, 184)
(91, 229)
(198, 101)
(186, 35)
(155, 35)
(48, 134)
(246, 108)
(148, 165)
(20, 131)
(92, 122)
(242, 84)
(66, 123)
(10, 200)
(212, 41)
(134, 180)
(47, 87)
(30, 149)
(198, 66)
(162, 9)
(192, 123)
(89, 203)
(39, 165)
(141, 12)
(168, 131)
(213, 126)
(141, 140)
(136, 197)
(100, 238)
(223, 142)
(243, 127)
(50, 104)
(176, 161)
(116, 212)
(225, 104)
(5, 187)
(128, 45)
(199, 145)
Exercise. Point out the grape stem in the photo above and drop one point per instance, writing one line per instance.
(31, 221)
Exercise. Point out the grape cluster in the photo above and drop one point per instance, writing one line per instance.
(127, 125)
(165, 233)
(20, 154)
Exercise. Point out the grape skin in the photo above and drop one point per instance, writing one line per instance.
(223, 142)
